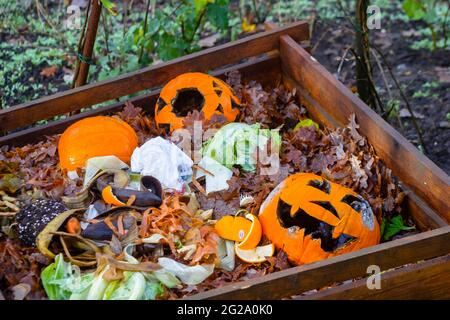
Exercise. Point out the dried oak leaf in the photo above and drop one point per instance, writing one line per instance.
(49, 71)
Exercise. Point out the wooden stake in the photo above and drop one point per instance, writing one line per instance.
(88, 46)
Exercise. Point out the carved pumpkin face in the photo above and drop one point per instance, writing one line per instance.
(194, 91)
(312, 219)
(95, 137)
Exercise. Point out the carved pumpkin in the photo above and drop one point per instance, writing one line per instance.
(312, 219)
(95, 137)
(194, 91)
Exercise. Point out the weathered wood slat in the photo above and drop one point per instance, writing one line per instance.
(415, 170)
(424, 217)
(146, 78)
(424, 280)
(317, 275)
(300, 279)
(264, 69)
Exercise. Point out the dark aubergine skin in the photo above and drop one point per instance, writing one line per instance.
(143, 198)
(101, 232)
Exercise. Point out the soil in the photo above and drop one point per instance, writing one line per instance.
(412, 68)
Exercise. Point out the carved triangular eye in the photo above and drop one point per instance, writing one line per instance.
(327, 206)
(161, 103)
(220, 108)
(360, 205)
(322, 185)
(353, 201)
(215, 85)
(218, 92)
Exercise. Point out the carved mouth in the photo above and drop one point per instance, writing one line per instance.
(316, 228)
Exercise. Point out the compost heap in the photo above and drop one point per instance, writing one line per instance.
(172, 249)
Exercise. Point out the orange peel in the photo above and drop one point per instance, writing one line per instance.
(233, 228)
(255, 255)
(109, 197)
(253, 237)
(246, 231)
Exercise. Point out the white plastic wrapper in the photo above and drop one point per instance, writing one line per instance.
(163, 160)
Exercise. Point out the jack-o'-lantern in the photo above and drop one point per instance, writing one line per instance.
(311, 218)
(194, 91)
(95, 137)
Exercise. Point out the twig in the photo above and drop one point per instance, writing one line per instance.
(105, 29)
(141, 52)
(347, 15)
(403, 95)
(341, 63)
(255, 7)
(196, 166)
(444, 26)
(370, 81)
(391, 98)
(199, 21)
(383, 76)
(316, 45)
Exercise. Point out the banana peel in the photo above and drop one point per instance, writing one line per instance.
(46, 235)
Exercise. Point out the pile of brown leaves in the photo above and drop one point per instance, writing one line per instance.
(341, 155)
(20, 270)
(38, 166)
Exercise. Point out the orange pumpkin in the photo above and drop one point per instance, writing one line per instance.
(311, 218)
(194, 91)
(94, 137)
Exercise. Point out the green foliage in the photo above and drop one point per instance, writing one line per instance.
(175, 29)
(11, 15)
(390, 227)
(110, 6)
(426, 90)
(393, 107)
(435, 14)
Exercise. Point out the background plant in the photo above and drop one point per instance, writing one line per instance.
(435, 14)
(174, 30)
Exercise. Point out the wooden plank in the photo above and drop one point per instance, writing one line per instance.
(424, 217)
(419, 173)
(424, 280)
(147, 78)
(264, 69)
(315, 110)
(299, 279)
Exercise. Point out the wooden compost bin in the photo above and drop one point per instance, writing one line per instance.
(421, 261)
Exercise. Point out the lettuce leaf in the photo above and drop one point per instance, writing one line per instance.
(131, 287)
(236, 144)
(54, 275)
